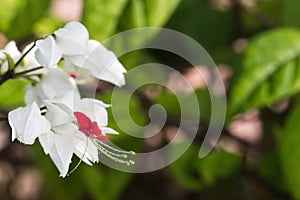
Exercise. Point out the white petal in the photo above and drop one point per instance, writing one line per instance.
(12, 49)
(65, 100)
(13, 52)
(101, 63)
(32, 95)
(107, 130)
(47, 141)
(64, 144)
(48, 53)
(59, 163)
(94, 109)
(72, 39)
(57, 81)
(30, 61)
(104, 65)
(86, 150)
(65, 151)
(27, 123)
(57, 115)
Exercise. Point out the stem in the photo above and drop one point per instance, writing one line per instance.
(28, 71)
(19, 61)
(8, 75)
(11, 74)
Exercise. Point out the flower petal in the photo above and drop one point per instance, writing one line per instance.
(85, 149)
(64, 144)
(106, 130)
(104, 65)
(48, 53)
(55, 82)
(27, 123)
(72, 39)
(57, 115)
(47, 142)
(94, 109)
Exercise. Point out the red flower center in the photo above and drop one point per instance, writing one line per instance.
(89, 128)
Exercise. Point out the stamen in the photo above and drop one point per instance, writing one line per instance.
(113, 155)
(116, 150)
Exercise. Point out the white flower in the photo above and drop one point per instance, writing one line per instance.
(27, 123)
(81, 56)
(48, 53)
(59, 100)
(64, 139)
(99, 62)
(12, 50)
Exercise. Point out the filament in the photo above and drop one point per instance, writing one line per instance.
(114, 153)
(115, 149)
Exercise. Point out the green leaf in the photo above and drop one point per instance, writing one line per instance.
(12, 94)
(269, 168)
(193, 173)
(269, 70)
(290, 11)
(18, 17)
(158, 11)
(210, 168)
(10, 61)
(184, 170)
(289, 149)
(101, 17)
(104, 18)
(187, 102)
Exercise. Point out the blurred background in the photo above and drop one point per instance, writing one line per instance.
(256, 47)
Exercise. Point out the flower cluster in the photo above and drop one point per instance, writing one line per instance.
(55, 113)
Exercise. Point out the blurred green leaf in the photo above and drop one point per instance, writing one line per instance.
(104, 183)
(173, 103)
(210, 168)
(101, 17)
(210, 27)
(12, 94)
(18, 17)
(268, 72)
(47, 25)
(290, 12)
(105, 18)
(159, 11)
(194, 173)
(185, 169)
(289, 149)
(269, 168)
